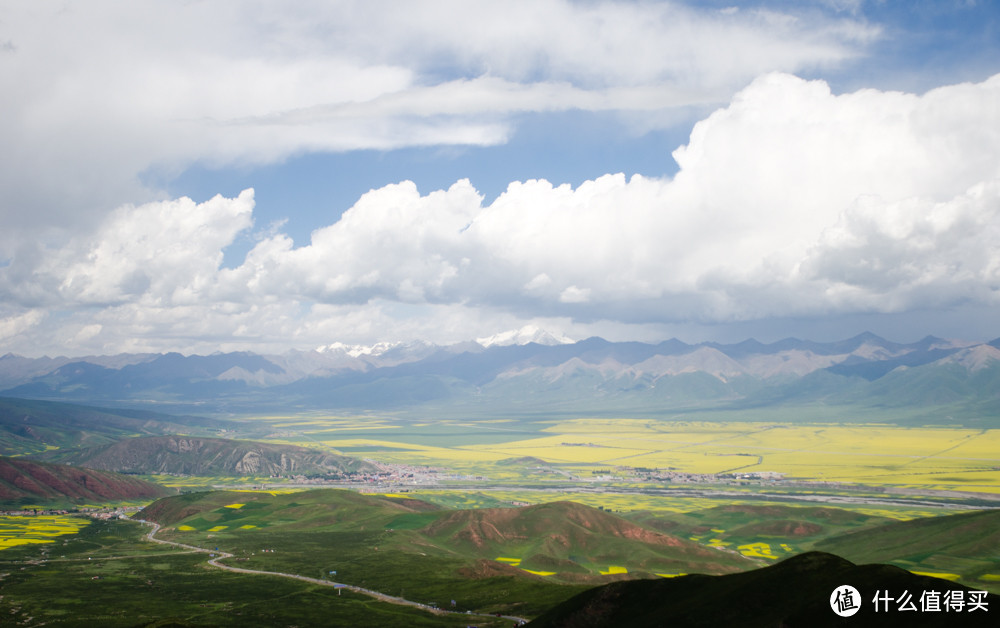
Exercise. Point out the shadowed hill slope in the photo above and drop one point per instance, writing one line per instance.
(793, 593)
(29, 426)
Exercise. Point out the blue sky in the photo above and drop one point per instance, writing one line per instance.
(395, 172)
(570, 147)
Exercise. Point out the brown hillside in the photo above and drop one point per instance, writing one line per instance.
(566, 524)
(575, 542)
(24, 481)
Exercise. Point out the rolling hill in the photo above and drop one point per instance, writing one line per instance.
(747, 522)
(966, 545)
(187, 455)
(296, 511)
(35, 483)
(565, 540)
(570, 538)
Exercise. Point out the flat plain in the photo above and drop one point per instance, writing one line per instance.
(875, 455)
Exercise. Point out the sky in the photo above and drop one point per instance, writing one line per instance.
(266, 176)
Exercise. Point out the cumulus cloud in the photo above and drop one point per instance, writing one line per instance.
(911, 253)
(98, 97)
(166, 252)
(790, 201)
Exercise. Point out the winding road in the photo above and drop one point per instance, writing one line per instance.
(391, 599)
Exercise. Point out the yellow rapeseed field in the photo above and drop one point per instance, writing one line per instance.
(928, 457)
(938, 458)
(23, 530)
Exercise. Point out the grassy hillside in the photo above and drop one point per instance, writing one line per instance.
(34, 483)
(292, 511)
(208, 456)
(107, 575)
(965, 547)
(518, 560)
(29, 426)
(565, 539)
(738, 522)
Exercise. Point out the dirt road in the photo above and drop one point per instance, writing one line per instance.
(391, 599)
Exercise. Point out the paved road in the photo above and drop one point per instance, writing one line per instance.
(391, 599)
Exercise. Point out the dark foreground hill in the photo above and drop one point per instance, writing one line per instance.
(35, 483)
(209, 456)
(791, 594)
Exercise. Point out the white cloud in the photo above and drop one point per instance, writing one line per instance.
(791, 201)
(748, 227)
(912, 253)
(12, 326)
(96, 96)
(573, 294)
(167, 252)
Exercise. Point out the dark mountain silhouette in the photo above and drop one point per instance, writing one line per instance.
(794, 593)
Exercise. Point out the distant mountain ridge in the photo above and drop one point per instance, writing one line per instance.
(189, 455)
(30, 426)
(591, 375)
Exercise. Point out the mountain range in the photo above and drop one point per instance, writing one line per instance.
(190, 455)
(931, 379)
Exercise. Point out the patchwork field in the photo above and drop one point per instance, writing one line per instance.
(35, 530)
(874, 455)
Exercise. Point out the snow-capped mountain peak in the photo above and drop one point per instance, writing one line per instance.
(523, 336)
(359, 350)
